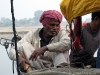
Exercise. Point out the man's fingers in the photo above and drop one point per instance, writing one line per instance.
(22, 65)
(36, 56)
(32, 56)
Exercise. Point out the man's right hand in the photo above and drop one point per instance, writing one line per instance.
(22, 61)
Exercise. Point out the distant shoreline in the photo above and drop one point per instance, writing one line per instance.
(20, 30)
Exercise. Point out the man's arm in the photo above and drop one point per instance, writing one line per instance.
(60, 46)
(26, 38)
(38, 52)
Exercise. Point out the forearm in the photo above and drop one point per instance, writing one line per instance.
(45, 48)
(59, 46)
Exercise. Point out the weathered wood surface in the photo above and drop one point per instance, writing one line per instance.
(65, 71)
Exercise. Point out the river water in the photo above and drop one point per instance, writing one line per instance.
(5, 62)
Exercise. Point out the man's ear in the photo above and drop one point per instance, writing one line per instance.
(96, 18)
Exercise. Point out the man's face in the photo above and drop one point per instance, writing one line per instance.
(52, 28)
(98, 23)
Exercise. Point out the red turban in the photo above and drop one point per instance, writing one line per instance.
(48, 15)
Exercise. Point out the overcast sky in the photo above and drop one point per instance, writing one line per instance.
(26, 8)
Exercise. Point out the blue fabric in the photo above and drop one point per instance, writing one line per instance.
(98, 59)
(43, 41)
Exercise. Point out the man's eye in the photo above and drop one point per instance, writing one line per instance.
(57, 25)
(52, 24)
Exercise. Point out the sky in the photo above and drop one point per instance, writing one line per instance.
(26, 8)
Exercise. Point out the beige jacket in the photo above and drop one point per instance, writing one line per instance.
(58, 43)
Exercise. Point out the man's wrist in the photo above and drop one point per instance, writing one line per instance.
(45, 48)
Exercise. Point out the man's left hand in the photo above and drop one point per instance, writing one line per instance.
(38, 52)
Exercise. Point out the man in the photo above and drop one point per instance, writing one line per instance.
(46, 47)
(90, 40)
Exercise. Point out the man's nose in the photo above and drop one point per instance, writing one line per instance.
(55, 27)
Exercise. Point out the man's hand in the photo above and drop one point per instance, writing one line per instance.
(22, 61)
(38, 52)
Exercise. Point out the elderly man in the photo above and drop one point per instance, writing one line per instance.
(46, 47)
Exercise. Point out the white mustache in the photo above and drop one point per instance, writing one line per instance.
(53, 30)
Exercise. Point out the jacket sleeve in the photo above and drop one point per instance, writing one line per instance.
(12, 53)
(26, 38)
(62, 45)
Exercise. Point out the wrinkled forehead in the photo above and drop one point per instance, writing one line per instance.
(55, 20)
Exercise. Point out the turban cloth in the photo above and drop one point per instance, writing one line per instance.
(48, 15)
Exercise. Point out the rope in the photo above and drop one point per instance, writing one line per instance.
(14, 31)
